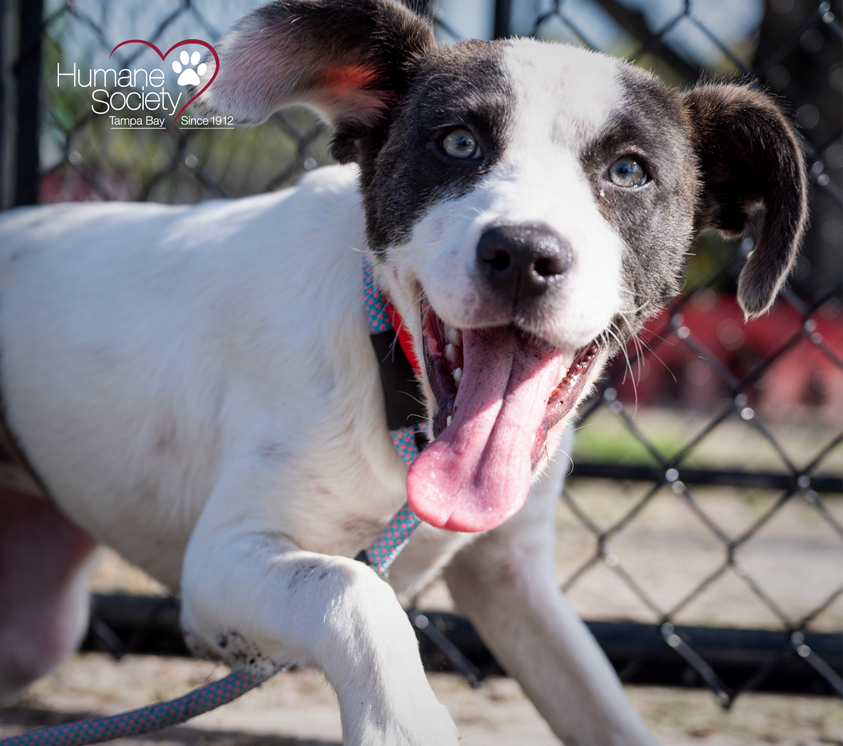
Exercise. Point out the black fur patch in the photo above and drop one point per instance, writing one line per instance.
(371, 30)
(294, 51)
(237, 651)
(403, 169)
(655, 220)
(750, 157)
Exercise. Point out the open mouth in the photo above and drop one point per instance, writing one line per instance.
(499, 391)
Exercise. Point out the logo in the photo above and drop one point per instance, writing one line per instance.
(137, 98)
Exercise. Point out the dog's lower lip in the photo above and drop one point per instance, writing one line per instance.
(566, 394)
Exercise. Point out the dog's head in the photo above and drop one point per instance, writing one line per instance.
(528, 207)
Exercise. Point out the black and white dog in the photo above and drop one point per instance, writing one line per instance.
(195, 386)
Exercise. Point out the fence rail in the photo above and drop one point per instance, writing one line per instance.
(730, 375)
(727, 661)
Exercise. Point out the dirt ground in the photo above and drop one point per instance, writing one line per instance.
(667, 549)
(299, 709)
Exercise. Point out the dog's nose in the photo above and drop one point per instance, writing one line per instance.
(523, 261)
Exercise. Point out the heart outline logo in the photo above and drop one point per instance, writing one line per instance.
(164, 56)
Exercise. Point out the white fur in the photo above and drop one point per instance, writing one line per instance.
(197, 389)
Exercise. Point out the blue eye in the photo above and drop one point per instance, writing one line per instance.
(626, 172)
(460, 143)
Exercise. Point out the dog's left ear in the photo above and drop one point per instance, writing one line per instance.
(351, 60)
(749, 157)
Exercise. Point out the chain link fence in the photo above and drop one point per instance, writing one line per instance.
(730, 429)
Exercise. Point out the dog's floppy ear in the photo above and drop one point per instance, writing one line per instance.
(749, 157)
(348, 59)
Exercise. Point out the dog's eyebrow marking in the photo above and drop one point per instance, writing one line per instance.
(622, 131)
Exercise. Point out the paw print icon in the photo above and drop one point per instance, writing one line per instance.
(187, 75)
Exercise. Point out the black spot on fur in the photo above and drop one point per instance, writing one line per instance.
(403, 169)
(303, 571)
(236, 650)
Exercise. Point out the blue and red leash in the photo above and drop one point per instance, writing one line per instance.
(380, 555)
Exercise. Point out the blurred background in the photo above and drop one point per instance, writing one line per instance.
(701, 532)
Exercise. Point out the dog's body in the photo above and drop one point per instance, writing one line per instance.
(196, 388)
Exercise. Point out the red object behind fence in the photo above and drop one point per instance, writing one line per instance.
(709, 338)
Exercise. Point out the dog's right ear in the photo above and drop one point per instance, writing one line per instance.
(348, 59)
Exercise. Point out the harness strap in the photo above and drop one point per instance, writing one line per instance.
(405, 415)
(399, 368)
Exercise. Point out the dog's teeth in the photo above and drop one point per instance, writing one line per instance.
(454, 336)
(448, 421)
(458, 375)
(560, 375)
(451, 353)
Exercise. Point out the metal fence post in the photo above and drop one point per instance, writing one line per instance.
(7, 103)
(503, 16)
(28, 73)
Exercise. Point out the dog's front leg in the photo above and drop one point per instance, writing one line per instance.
(505, 584)
(256, 600)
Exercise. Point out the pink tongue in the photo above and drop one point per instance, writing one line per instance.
(476, 474)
